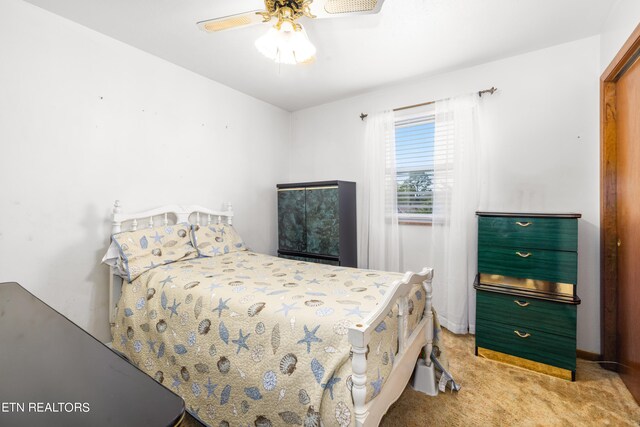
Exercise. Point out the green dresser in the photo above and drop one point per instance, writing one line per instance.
(317, 222)
(526, 287)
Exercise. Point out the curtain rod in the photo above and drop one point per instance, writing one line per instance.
(489, 91)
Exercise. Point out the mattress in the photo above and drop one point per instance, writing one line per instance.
(247, 338)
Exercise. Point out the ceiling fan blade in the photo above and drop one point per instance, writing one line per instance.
(239, 20)
(334, 8)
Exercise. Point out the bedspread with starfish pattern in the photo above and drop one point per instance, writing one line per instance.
(250, 339)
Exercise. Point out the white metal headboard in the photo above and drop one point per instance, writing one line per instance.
(164, 215)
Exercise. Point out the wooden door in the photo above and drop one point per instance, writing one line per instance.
(620, 213)
(628, 225)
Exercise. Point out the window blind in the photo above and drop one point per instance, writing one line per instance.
(415, 166)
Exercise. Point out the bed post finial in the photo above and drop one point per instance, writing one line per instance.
(115, 225)
(228, 207)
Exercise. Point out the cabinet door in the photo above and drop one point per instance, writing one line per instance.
(291, 220)
(323, 221)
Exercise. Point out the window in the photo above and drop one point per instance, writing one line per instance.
(414, 165)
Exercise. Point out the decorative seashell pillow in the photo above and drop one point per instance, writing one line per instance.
(147, 248)
(216, 239)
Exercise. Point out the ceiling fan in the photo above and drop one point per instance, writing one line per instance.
(287, 41)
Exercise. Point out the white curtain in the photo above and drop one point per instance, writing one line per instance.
(455, 200)
(378, 245)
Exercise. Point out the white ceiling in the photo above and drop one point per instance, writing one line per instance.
(408, 38)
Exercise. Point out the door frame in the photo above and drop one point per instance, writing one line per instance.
(608, 196)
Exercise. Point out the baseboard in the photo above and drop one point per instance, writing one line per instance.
(595, 357)
(587, 355)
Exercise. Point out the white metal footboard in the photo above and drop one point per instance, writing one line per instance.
(369, 414)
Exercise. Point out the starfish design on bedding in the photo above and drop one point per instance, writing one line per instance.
(211, 389)
(241, 342)
(222, 305)
(309, 337)
(329, 385)
(174, 308)
(158, 238)
(355, 311)
(169, 279)
(313, 281)
(152, 346)
(377, 384)
(123, 339)
(287, 307)
(215, 250)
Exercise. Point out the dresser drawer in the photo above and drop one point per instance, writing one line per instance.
(553, 266)
(530, 344)
(532, 233)
(530, 313)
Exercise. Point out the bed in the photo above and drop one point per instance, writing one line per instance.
(251, 339)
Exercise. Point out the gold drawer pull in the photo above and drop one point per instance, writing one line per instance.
(524, 224)
(524, 255)
(520, 303)
(521, 335)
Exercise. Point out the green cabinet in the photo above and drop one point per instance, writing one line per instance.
(526, 295)
(317, 222)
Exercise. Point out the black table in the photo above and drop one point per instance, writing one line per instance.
(53, 373)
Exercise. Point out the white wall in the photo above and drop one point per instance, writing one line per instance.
(85, 120)
(541, 132)
(623, 18)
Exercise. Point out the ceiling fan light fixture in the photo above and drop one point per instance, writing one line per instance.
(286, 43)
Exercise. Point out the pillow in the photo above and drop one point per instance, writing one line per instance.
(216, 239)
(144, 249)
(113, 259)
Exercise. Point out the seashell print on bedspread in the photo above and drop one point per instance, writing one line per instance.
(250, 339)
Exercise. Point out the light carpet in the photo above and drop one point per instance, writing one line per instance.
(496, 394)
